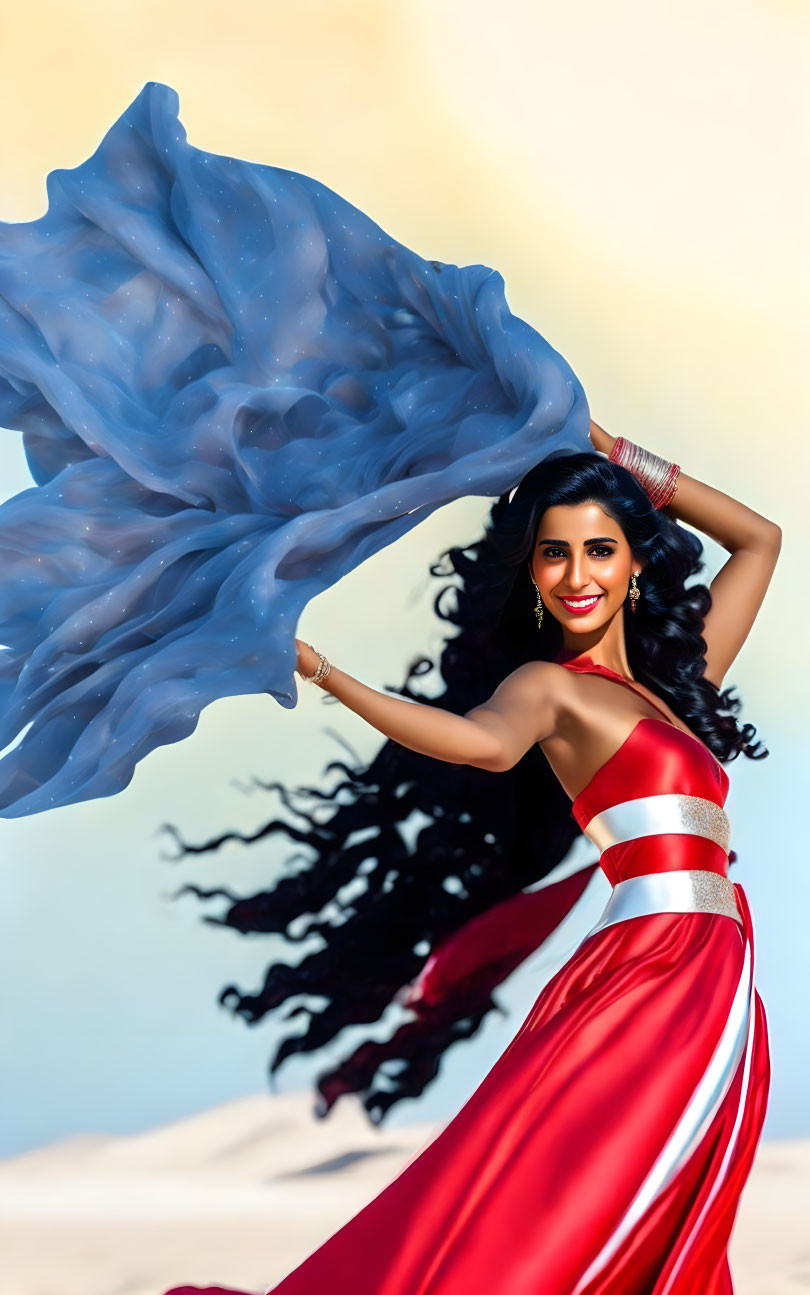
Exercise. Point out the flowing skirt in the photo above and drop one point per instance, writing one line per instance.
(604, 1152)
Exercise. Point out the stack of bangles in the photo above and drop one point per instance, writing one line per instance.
(658, 476)
(322, 671)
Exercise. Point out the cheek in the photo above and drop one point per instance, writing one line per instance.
(547, 579)
(611, 576)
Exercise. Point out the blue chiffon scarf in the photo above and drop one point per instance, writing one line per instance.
(232, 387)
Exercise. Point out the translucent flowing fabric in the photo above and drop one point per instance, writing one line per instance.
(232, 387)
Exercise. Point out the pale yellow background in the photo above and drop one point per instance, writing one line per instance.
(638, 174)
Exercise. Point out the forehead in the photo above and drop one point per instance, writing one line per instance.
(577, 523)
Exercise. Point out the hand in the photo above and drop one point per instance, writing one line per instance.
(600, 439)
(308, 659)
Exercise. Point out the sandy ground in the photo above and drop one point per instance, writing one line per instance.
(243, 1192)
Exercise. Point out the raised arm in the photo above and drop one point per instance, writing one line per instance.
(494, 736)
(740, 585)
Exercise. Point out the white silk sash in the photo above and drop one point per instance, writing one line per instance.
(652, 815)
(686, 890)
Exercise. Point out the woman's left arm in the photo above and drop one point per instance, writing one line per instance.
(739, 586)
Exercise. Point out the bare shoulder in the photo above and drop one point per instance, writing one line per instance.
(525, 708)
(549, 682)
(541, 685)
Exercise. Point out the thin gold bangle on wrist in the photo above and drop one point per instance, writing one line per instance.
(321, 671)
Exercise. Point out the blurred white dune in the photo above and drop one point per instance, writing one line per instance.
(241, 1193)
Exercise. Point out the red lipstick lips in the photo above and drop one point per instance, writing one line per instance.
(588, 604)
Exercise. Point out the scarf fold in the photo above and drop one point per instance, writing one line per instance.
(232, 387)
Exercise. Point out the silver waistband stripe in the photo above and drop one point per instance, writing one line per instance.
(653, 815)
(692, 890)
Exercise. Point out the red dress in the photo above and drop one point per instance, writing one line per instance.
(606, 1150)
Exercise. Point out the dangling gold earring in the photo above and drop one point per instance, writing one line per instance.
(635, 592)
(538, 610)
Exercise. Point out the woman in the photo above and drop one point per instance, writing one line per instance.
(607, 1148)
(232, 388)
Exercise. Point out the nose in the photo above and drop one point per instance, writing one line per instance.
(577, 573)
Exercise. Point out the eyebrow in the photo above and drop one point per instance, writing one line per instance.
(597, 539)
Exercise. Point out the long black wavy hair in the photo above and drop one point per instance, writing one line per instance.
(381, 904)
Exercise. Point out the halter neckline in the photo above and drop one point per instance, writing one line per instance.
(586, 664)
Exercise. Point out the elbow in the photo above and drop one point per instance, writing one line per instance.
(772, 537)
(766, 537)
(771, 544)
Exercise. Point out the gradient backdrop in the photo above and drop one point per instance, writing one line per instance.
(638, 174)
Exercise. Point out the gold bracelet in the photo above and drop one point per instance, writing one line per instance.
(322, 670)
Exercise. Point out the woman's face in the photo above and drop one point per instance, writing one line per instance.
(582, 565)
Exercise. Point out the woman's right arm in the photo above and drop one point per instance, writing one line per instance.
(493, 736)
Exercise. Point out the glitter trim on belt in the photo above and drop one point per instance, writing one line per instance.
(653, 815)
(687, 890)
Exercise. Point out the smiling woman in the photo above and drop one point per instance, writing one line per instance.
(233, 387)
(580, 574)
(626, 1071)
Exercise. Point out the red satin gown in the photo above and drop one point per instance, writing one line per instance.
(606, 1150)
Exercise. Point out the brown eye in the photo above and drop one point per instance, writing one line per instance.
(600, 550)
